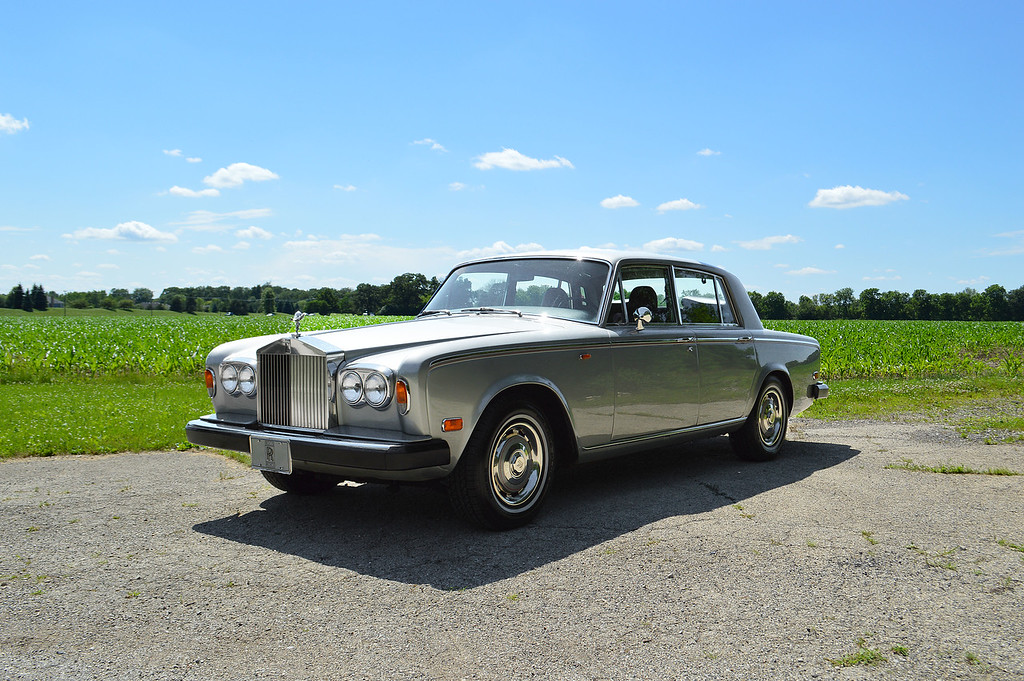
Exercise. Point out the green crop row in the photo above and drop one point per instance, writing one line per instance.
(151, 346)
(914, 349)
(42, 347)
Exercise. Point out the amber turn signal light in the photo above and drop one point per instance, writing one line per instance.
(451, 425)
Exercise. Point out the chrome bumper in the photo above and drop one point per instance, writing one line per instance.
(367, 454)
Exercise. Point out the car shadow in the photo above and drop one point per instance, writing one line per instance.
(411, 535)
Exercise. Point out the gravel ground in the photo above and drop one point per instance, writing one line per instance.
(670, 565)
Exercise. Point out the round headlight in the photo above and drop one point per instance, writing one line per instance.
(351, 387)
(247, 380)
(376, 389)
(229, 378)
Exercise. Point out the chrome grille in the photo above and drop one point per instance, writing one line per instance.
(293, 390)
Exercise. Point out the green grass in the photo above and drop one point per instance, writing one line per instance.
(948, 469)
(104, 414)
(864, 655)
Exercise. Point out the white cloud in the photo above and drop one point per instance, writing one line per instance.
(719, 249)
(194, 159)
(768, 242)
(345, 187)
(433, 144)
(979, 281)
(205, 220)
(241, 246)
(497, 248)
(253, 232)
(1015, 247)
(212, 248)
(12, 228)
(456, 186)
(510, 159)
(673, 244)
(108, 266)
(39, 256)
(804, 271)
(619, 201)
(854, 197)
(129, 231)
(191, 193)
(11, 125)
(237, 173)
(678, 204)
(708, 152)
(172, 152)
(840, 247)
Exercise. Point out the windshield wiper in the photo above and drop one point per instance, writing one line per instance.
(491, 309)
(426, 313)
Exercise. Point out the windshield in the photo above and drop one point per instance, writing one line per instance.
(563, 288)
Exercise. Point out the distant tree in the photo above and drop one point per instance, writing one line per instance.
(16, 297)
(268, 300)
(26, 303)
(922, 306)
(1015, 304)
(407, 294)
(846, 304)
(238, 307)
(806, 308)
(757, 300)
(125, 304)
(775, 306)
(893, 305)
(177, 303)
(39, 301)
(142, 296)
(996, 306)
(367, 298)
(190, 303)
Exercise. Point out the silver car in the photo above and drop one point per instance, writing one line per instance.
(517, 367)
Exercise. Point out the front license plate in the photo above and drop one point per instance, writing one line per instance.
(270, 455)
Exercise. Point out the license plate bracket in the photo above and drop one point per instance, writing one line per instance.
(270, 454)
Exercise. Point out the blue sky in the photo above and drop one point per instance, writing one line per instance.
(805, 146)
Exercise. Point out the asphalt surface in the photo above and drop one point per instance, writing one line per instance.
(683, 564)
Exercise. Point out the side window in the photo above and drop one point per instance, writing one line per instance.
(647, 286)
(702, 298)
(723, 303)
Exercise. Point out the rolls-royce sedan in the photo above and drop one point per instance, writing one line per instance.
(518, 366)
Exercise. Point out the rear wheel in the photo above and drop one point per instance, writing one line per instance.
(764, 432)
(505, 471)
(301, 482)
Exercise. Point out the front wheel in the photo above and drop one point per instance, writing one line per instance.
(504, 473)
(764, 431)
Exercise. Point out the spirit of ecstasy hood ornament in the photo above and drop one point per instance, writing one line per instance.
(297, 318)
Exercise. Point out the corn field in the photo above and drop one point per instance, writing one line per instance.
(42, 347)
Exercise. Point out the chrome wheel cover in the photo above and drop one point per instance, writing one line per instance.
(771, 417)
(517, 463)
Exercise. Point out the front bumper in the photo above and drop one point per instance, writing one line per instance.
(339, 451)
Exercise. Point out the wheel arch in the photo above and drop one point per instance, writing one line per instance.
(551, 407)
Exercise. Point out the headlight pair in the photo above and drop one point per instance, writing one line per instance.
(238, 378)
(365, 385)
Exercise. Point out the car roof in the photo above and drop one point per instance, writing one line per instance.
(612, 257)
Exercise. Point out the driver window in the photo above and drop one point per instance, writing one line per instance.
(648, 286)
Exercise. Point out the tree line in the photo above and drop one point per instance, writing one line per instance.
(407, 293)
(994, 304)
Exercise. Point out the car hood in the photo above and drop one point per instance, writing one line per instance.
(367, 340)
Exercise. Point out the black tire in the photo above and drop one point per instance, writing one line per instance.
(764, 432)
(505, 472)
(302, 482)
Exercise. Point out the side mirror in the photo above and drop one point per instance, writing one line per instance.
(642, 314)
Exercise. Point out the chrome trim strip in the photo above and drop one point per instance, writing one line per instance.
(718, 425)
